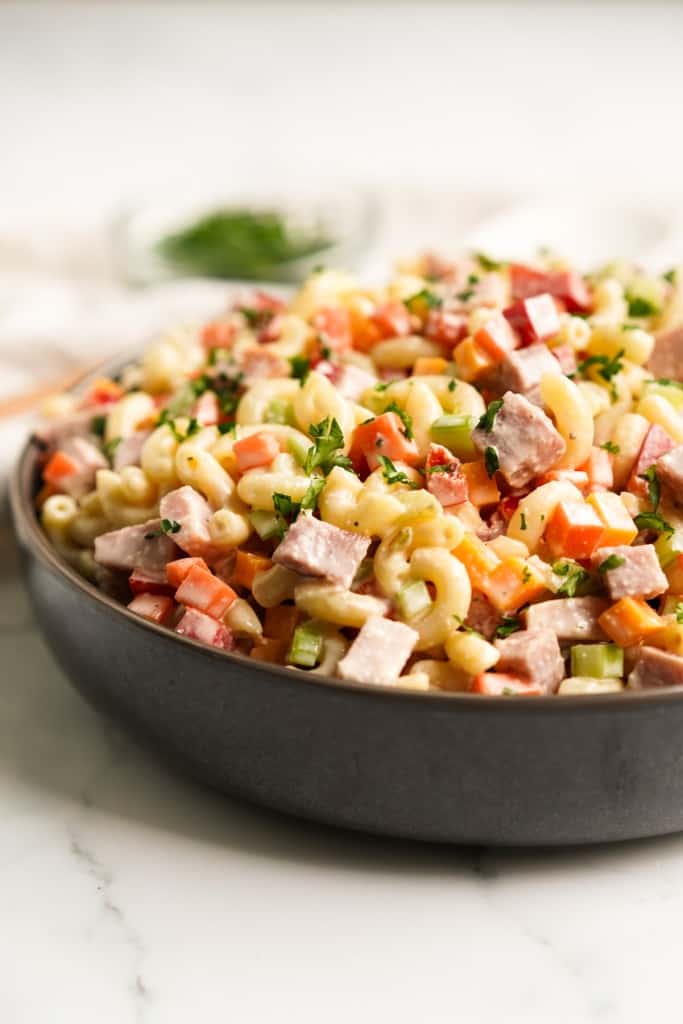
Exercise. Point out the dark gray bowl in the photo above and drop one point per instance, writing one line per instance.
(454, 767)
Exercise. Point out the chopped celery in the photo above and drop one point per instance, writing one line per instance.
(599, 661)
(413, 599)
(279, 411)
(298, 448)
(455, 433)
(307, 645)
(668, 547)
(265, 523)
(671, 390)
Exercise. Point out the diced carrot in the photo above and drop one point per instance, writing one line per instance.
(630, 621)
(513, 583)
(574, 530)
(481, 489)
(60, 466)
(427, 365)
(497, 684)
(618, 526)
(255, 450)
(472, 360)
(598, 466)
(202, 590)
(269, 649)
(364, 333)
(392, 319)
(497, 337)
(177, 571)
(155, 607)
(247, 566)
(141, 582)
(219, 334)
(280, 622)
(332, 324)
(479, 560)
(383, 436)
(578, 477)
(103, 390)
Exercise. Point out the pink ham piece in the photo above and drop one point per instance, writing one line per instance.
(566, 357)
(445, 479)
(312, 547)
(197, 626)
(670, 472)
(155, 607)
(446, 327)
(187, 507)
(142, 547)
(262, 364)
(534, 319)
(379, 652)
(656, 668)
(656, 443)
(533, 654)
(569, 618)
(88, 458)
(666, 360)
(349, 380)
(521, 371)
(566, 285)
(525, 440)
(79, 424)
(490, 290)
(639, 573)
(206, 410)
(128, 451)
(482, 617)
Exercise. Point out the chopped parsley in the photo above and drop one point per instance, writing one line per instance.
(653, 488)
(225, 428)
(486, 263)
(109, 447)
(382, 386)
(669, 383)
(610, 366)
(610, 447)
(508, 625)
(678, 611)
(670, 276)
(444, 467)
(405, 419)
(522, 521)
(165, 419)
(216, 355)
(166, 527)
(611, 562)
(452, 384)
(575, 576)
(652, 521)
(465, 295)
(425, 297)
(98, 425)
(491, 461)
(287, 510)
(393, 475)
(324, 453)
(488, 419)
(638, 306)
(473, 279)
(301, 368)
(526, 574)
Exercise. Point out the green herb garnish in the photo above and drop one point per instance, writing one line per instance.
(109, 447)
(98, 425)
(679, 613)
(670, 275)
(166, 527)
(522, 521)
(509, 625)
(393, 475)
(424, 297)
(328, 439)
(452, 384)
(486, 263)
(465, 295)
(638, 306)
(575, 577)
(652, 521)
(488, 419)
(405, 419)
(611, 562)
(653, 488)
(301, 368)
(610, 447)
(287, 510)
(491, 461)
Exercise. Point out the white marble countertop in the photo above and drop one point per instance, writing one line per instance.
(129, 895)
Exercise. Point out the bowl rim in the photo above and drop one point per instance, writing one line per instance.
(28, 529)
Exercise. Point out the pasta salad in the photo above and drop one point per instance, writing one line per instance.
(470, 479)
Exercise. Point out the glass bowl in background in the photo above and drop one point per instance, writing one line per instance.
(279, 237)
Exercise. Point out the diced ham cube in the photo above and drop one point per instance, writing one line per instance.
(142, 547)
(351, 381)
(202, 590)
(566, 285)
(445, 327)
(525, 440)
(491, 290)
(143, 581)
(482, 616)
(187, 507)
(496, 337)
(155, 607)
(128, 451)
(569, 618)
(521, 371)
(206, 410)
(260, 364)
(638, 573)
(533, 654)
(379, 652)
(666, 360)
(670, 472)
(312, 547)
(445, 479)
(566, 357)
(656, 668)
(656, 443)
(197, 626)
(78, 424)
(534, 319)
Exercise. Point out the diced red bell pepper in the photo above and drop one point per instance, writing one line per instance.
(141, 582)
(447, 484)
(59, 467)
(206, 410)
(333, 326)
(197, 626)
(103, 391)
(498, 684)
(655, 443)
(497, 337)
(392, 319)
(155, 607)
(177, 570)
(566, 285)
(445, 327)
(384, 435)
(534, 319)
